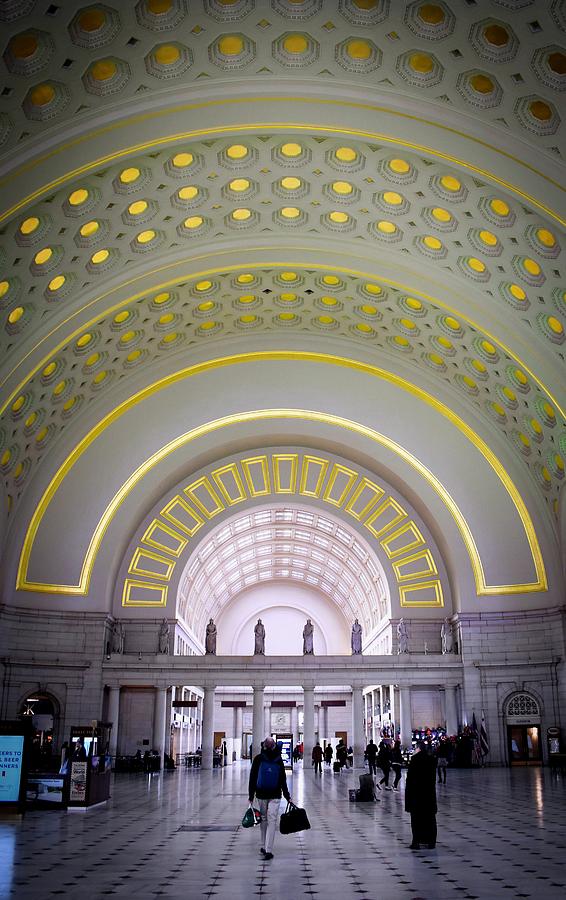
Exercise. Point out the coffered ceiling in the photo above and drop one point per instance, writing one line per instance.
(129, 246)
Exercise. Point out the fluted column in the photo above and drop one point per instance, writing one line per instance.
(451, 710)
(257, 719)
(114, 717)
(357, 742)
(159, 719)
(208, 728)
(406, 725)
(308, 724)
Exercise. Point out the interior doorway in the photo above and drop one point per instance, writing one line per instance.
(525, 748)
(44, 716)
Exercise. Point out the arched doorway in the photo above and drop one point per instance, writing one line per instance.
(523, 718)
(43, 710)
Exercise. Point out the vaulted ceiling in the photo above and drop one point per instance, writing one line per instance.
(380, 180)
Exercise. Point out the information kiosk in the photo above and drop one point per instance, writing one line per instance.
(89, 765)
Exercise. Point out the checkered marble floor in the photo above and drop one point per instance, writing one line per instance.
(501, 834)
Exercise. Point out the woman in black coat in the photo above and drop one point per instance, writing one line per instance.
(420, 797)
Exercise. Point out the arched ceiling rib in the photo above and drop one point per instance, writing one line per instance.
(282, 543)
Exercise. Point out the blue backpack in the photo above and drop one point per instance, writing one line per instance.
(268, 774)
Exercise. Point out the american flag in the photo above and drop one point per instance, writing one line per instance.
(484, 743)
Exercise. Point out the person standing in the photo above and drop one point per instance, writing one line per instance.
(371, 756)
(384, 762)
(420, 797)
(328, 754)
(396, 763)
(443, 754)
(342, 753)
(317, 758)
(267, 782)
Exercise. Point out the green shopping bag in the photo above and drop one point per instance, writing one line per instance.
(252, 817)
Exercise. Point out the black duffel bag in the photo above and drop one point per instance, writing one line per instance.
(293, 819)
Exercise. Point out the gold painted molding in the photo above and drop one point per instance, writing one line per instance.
(171, 531)
(291, 127)
(482, 588)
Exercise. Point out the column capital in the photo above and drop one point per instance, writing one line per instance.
(308, 686)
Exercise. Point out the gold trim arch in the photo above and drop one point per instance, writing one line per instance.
(379, 515)
(482, 588)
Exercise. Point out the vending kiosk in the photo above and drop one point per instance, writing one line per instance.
(89, 765)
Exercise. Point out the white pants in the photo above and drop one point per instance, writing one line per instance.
(269, 810)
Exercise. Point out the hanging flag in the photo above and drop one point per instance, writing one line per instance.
(484, 743)
(476, 749)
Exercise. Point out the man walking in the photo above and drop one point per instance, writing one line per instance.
(267, 782)
(384, 762)
(317, 758)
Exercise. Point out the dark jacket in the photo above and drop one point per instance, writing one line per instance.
(384, 755)
(342, 754)
(420, 787)
(268, 756)
(317, 753)
(328, 753)
(371, 750)
(396, 757)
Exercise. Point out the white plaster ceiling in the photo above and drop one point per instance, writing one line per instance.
(283, 543)
(430, 242)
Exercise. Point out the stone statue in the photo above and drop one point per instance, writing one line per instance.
(210, 639)
(308, 639)
(118, 637)
(259, 639)
(164, 637)
(356, 638)
(446, 639)
(402, 637)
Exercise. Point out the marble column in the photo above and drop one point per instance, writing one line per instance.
(266, 719)
(295, 724)
(406, 725)
(208, 728)
(393, 711)
(381, 711)
(258, 724)
(168, 718)
(308, 725)
(114, 717)
(357, 742)
(326, 735)
(373, 716)
(159, 720)
(238, 728)
(451, 709)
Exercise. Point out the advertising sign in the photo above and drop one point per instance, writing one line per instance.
(286, 745)
(11, 758)
(77, 790)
